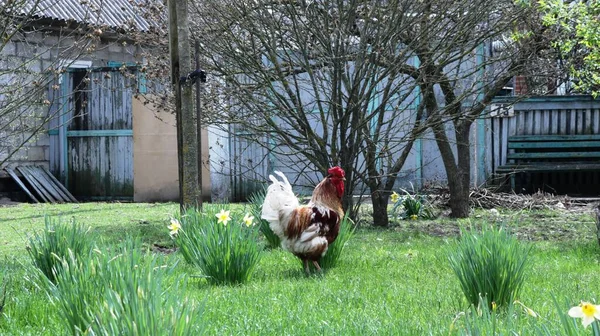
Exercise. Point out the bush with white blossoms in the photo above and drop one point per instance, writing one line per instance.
(222, 243)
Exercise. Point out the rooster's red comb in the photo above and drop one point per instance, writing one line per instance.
(336, 171)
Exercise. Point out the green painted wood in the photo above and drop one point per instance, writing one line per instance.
(517, 138)
(553, 155)
(539, 167)
(553, 144)
(124, 132)
(100, 133)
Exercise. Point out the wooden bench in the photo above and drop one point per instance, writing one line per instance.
(551, 153)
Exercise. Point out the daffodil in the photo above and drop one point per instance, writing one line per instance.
(223, 217)
(395, 197)
(174, 227)
(586, 311)
(528, 310)
(248, 220)
(414, 217)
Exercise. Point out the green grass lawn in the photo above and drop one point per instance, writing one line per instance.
(393, 281)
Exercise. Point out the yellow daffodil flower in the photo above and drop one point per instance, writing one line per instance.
(223, 217)
(174, 227)
(414, 217)
(248, 220)
(586, 311)
(395, 197)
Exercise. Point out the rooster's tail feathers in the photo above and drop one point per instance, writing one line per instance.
(279, 203)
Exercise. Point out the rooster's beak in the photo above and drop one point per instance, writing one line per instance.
(343, 179)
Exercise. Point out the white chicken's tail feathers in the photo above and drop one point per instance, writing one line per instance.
(279, 203)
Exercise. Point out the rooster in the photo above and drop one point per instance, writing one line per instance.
(306, 231)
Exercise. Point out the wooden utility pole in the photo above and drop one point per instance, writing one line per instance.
(181, 67)
(199, 120)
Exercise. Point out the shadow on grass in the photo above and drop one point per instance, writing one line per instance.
(149, 233)
(53, 214)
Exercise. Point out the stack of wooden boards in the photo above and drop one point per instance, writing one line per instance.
(47, 188)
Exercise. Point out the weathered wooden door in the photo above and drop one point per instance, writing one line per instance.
(99, 136)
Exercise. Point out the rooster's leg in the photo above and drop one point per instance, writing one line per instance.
(317, 266)
(306, 269)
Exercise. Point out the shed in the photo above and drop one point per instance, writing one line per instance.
(96, 134)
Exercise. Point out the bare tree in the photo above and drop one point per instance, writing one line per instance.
(355, 83)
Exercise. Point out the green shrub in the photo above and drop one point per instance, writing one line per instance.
(256, 201)
(490, 263)
(48, 248)
(226, 254)
(122, 294)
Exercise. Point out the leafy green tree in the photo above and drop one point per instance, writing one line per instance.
(577, 28)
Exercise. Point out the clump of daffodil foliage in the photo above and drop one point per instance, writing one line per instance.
(121, 291)
(59, 239)
(489, 264)
(411, 206)
(256, 201)
(222, 243)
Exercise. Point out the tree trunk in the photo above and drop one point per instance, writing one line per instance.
(459, 194)
(380, 213)
(458, 170)
(459, 176)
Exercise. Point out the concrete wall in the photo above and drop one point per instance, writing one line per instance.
(155, 174)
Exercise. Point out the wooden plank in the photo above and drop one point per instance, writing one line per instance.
(21, 184)
(588, 127)
(562, 122)
(554, 122)
(36, 186)
(495, 140)
(58, 184)
(554, 155)
(554, 137)
(581, 166)
(520, 123)
(46, 184)
(553, 144)
(545, 122)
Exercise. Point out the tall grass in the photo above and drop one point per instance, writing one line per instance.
(226, 254)
(256, 201)
(58, 241)
(490, 264)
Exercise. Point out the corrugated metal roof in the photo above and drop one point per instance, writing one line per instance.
(112, 13)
